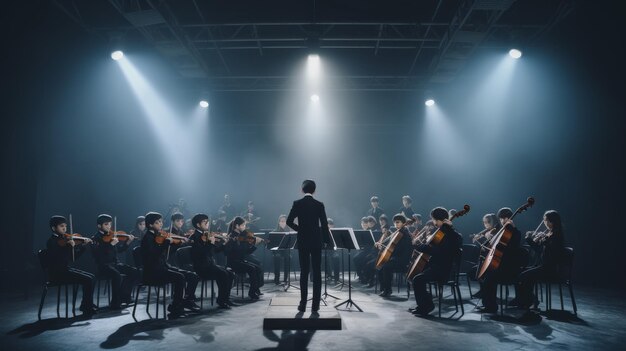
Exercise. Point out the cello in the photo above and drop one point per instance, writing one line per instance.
(418, 265)
(385, 255)
(500, 241)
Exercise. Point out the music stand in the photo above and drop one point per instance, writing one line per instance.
(344, 238)
(331, 246)
(288, 242)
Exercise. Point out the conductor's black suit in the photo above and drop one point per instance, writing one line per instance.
(312, 231)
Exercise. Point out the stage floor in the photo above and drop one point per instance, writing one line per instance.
(384, 324)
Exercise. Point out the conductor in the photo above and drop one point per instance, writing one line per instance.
(310, 214)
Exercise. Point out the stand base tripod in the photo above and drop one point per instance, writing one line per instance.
(349, 303)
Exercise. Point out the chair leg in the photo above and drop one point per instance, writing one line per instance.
(164, 303)
(456, 306)
(458, 290)
(148, 300)
(212, 291)
(67, 302)
(74, 294)
(571, 294)
(561, 296)
(158, 291)
(202, 283)
(440, 291)
(45, 292)
(59, 302)
(136, 299)
(506, 296)
(98, 293)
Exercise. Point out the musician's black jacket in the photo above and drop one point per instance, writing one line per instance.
(402, 252)
(59, 257)
(154, 256)
(312, 224)
(236, 250)
(443, 255)
(105, 253)
(408, 212)
(552, 247)
(375, 212)
(202, 252)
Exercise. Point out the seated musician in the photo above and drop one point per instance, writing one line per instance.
(372, 224)
(482, 239)
(442, 258)
(375, 210)
(551, 244)
(281, 256)
(202, 249)
(333, 256)
(154, 254)
(178, 221)
(383, 221)
(361, 256)
(509, 267)
(399, 258)
(59, 257)
(406, 208)
(236, 249)
(123, 277)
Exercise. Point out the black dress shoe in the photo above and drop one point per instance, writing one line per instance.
(302, 307)
(385, 293)
(424, 311)
(233, 304)
(190, 305)
(258, 292)
(175, 309)
(490, 310)
(253, 296)
(223, 305)
(88, 310)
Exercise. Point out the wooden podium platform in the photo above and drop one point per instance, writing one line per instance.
(283, 314)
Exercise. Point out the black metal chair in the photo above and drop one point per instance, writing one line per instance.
(183, 257)
(453, 283)
(159, 287)
(564, 278)
(42, 255)
(469, 259)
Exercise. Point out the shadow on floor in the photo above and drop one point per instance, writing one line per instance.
(289, 339)
(33, 329)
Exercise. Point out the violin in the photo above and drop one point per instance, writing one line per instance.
(207, 236)
(162, 236)
(120, 235)
(249, 237)
(63, 240)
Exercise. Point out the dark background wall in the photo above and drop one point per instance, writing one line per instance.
(76, 139)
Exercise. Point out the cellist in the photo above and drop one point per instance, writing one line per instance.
(440, 263)
(509, 267)
(400, 257)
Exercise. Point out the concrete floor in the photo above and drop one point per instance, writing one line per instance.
(384, 324)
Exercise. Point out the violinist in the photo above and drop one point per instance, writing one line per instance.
(154, 251)
(509, 267)
(400, 257)
(138, 231)
(281, 256)
(441, 260)
(106, 246)
(63, 248)
(236, 249)
(176, 228)
(204, 245)
(383, 220)
(551, 244)
(360, 258)
(372, 224)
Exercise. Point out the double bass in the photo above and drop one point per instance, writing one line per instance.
(419, 264)
(500, 241)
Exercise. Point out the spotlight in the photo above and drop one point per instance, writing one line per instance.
(514, 53)
(117, 55)
(204, 104)
(429, 102)
(314, 58)
(315, 98)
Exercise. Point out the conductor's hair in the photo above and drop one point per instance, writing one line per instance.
(308, 186)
